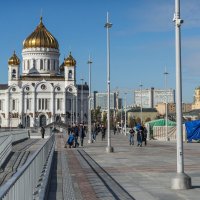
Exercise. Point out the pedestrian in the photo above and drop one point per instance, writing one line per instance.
(76, 134)
(144, 135)
(103, 132)
(82, 133)
(115, 129)
(131, 136)
(70, 140)
(69, 130)
(42, 131)
(139, 137)
(94, 132)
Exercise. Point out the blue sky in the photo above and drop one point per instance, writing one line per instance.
(142, 39)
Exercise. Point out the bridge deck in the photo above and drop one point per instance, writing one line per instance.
(141, 173)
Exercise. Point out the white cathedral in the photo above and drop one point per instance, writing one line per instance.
(45, 91)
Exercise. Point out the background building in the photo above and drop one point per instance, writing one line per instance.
(151, 97)
(196, 103)
(148, 114)
(100, 100)
(161, 108)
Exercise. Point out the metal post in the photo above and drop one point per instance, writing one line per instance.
(76, 109)
(166, 105)
(141, 102)
(121, 119)
(89, 103)
(108, 25)
(71, 113)
(73, 109)
(26, 109)
(125, 112)
(82, 100)
(181, 180)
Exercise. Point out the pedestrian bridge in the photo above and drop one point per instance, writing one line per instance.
(131, 172)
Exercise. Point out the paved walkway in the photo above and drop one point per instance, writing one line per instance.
(137, 173)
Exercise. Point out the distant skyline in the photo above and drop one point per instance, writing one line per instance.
(142, 39)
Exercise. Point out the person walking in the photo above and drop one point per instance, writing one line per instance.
(94, 132)
(103, 132)
(70, 140)
(139, 138)
(42, 131)
(131, 136)
(145, 135)
(82, 134)
(76, 134)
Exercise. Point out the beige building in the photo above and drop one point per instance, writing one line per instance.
(147, 114)
(161, 108)
(196, 104)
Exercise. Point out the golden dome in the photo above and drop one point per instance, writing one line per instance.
(14, 60)
(41, 37)
(70, 61)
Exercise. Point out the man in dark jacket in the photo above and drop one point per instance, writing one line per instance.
(81, 133)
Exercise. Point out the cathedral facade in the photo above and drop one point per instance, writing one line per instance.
(45, 91)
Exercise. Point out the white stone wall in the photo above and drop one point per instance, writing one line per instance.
(40, 61)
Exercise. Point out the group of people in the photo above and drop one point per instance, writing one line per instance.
(75, 132)
(141, 132)
(80, 131)
(96, 129)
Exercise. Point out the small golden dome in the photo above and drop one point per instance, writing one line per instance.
(41, 37)
(14, 60)
(70, 61)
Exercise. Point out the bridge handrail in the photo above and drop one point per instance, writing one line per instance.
(23, 183)
(5, 148)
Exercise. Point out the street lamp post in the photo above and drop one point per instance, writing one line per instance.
(108, 25)
(89, 102)
(27, 104)
(121, 119)
(82, 100)
(181, 180)
(71, 112)
(125, 113)
(166, 105)
(141, 102)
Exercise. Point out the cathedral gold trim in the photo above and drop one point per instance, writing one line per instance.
(41, 37)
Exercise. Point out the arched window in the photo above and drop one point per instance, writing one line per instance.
(41, 64)
(43, 120)
(54, 65)
(13, 73)
(33, 63)
(48, 64)
(70, 74)
(28, 64)
(58, 104)
(13, 104)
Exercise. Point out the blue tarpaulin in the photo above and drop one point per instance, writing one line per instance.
(193, 130)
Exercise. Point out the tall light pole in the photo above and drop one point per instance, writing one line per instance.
(89, 102)
(82, 100)
(166, 105)
(181, 180)
(121, 119)
(141, 102)
(108, 25)
(125, 111)
(27, 104)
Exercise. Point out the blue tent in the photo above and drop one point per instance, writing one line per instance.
(193, 130)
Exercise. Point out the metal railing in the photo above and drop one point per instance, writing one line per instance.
(5, 147)
(23, 184)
